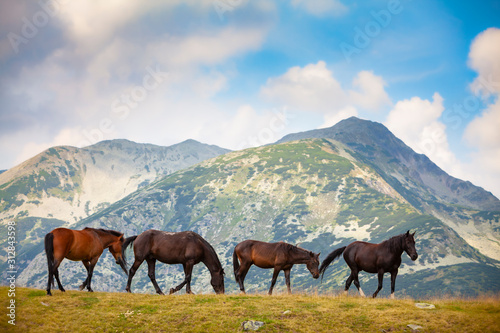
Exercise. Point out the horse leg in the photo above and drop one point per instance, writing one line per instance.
(51, 268)
(287, 279)
(393, 282)
(242, 273)
(356, 282)
(151, 273)
(87, 267)
(380, 282)
(188, 278)
(131, 273)
(188, 268)
(92, 264)
(273, 281)
(348, 283)
(56, 275)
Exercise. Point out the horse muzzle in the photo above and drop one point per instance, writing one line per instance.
(414, 257)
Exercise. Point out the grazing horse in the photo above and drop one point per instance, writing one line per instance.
(186, 248)
(374, 258)
(84, 245)
(280, 256)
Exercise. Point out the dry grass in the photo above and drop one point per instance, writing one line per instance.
(121, 312)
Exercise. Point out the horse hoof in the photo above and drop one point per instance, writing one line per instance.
(81, 287)
(63, 290)
(172, 290)
(49, 293)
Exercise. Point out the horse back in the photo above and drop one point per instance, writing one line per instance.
(261, 254)
(363, 255)
(76, 244)
(169, 247)
(371, 257)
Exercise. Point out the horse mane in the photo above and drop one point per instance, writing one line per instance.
(394, 243)
(294, 248)
(107, 231)
(210, 249)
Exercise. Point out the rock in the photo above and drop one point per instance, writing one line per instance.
(287, 312)
(425, 306)
(414, 327)
(251, 325)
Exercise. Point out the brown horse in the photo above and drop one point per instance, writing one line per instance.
(84, 245)
(186, 248)
(374, 258)
(280, 256)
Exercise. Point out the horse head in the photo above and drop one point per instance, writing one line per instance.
(217, 281)
(409, 245)
(313, 264)
(117, 250)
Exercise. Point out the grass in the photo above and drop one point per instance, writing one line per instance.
(121, 312)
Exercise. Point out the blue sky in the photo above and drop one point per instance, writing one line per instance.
(241, 73)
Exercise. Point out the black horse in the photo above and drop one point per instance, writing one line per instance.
(280, 256)
(374, 258)
(186, 248)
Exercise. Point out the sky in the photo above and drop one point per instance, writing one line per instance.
(240, 73)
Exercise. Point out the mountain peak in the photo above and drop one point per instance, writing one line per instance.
(419, 179)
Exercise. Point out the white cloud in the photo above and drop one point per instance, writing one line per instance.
(484, 58)
(313, 88)
(483, 132)
(71, 90)
(370, 94)
(321, 8)
(416, 122)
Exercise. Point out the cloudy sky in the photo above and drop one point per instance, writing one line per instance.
(239, 73)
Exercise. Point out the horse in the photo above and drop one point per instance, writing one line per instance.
(374, 258)
(186, 248)
(84, 245)
(280, 256)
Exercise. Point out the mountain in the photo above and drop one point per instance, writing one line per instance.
(69, 183)
(320, 193)
(422, 180)
(470, 210)
(62, 185)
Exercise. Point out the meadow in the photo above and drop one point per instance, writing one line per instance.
(79, 311)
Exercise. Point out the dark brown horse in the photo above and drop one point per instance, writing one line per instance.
(374, 258)
(186, 248)
(84, 245)
(280, 256)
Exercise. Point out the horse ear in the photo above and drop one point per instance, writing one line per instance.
(413, 234)
(408, 233)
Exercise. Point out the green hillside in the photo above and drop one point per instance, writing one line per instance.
(312, 192)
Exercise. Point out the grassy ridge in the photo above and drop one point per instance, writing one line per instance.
(118, 312)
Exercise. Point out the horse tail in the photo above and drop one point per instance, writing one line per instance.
(49, 251)
(126, 243)
(328, 260)
(236, 263)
